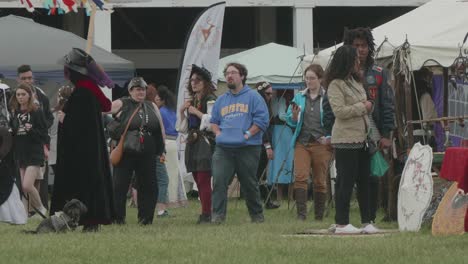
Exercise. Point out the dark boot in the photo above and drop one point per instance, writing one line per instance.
(301, 203)
(204, 219)
(90, 228)
(319, 205)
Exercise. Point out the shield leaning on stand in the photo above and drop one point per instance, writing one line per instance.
(416, 187)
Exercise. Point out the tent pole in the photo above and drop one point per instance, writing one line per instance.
(409, 114)
(398, 111)
(90, 39)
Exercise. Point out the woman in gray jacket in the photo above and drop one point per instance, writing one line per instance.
(350, 106)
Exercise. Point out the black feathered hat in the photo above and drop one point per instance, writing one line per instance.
(77, 60)
(202, 72)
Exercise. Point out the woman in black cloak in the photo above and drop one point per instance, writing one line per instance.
(83, 169)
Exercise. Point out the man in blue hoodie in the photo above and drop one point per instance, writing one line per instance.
(238, 120)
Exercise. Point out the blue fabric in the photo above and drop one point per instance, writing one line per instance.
(287, 86)
(236, 113)
(169, 119)
(193, 121)
(282, 135)
(162, 178)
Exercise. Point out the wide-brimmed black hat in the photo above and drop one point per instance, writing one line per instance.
(77, 60)
(6, 141)
(202, 72)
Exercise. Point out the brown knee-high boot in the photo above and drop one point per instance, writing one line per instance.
(301, 203)
(319, 205)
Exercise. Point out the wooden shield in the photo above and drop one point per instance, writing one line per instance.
(449, 218)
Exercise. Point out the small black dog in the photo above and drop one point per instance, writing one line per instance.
(63, 221)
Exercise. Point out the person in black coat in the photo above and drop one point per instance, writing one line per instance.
(83, 168)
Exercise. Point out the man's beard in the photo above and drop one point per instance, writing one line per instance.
(231, 86)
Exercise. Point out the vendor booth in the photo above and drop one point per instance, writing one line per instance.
(431, 37)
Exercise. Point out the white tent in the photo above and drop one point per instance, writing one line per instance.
(434, 31)
(272, 62)
(25, 42)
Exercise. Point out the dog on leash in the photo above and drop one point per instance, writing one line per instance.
(63, 221)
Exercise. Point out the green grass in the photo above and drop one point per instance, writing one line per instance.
(179, 240)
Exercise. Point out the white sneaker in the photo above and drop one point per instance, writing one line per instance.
(370, 229)
(347, 229)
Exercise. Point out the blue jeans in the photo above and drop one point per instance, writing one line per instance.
(242, 161)
(162, 178)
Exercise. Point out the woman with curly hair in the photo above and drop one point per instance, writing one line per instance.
(194, 119)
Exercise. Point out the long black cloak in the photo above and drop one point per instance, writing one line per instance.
(83, 169)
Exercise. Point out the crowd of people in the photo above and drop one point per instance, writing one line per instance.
(339, 115)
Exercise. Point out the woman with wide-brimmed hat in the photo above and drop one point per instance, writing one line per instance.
(83, 169)
(194, 120)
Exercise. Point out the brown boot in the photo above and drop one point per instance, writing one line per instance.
(319, 205)
(301, 203)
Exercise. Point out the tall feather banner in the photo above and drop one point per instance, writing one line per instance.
(202, 47)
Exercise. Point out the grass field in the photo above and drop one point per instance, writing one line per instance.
(178, 239)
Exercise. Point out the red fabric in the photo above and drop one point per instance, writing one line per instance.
(106, 104)
(69, 3)
(466, 221)
(203, 180)
(455, 167)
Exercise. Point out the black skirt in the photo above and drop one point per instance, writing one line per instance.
(199, 151)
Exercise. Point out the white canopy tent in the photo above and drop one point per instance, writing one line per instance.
(434, 32)
(272, 62)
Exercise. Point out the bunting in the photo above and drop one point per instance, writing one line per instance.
(58, 7)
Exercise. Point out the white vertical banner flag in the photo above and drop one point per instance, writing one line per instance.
(203, 48)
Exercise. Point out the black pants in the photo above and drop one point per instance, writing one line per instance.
(144, 166)
(262, 164)
(374, 187)
(352, 166)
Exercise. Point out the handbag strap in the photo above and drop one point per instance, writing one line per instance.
(128, 123)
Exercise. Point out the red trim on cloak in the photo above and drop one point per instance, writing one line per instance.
(106, 104)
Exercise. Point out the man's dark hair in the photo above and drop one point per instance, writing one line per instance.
(24, 68)
(167, 96)
(240, 67)
(342, 64)
(361, 33)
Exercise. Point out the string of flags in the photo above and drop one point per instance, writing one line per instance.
(59, 7)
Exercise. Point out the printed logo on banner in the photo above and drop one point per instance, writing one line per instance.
(207, 34)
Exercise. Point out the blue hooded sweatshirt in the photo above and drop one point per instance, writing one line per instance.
(236, 113)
